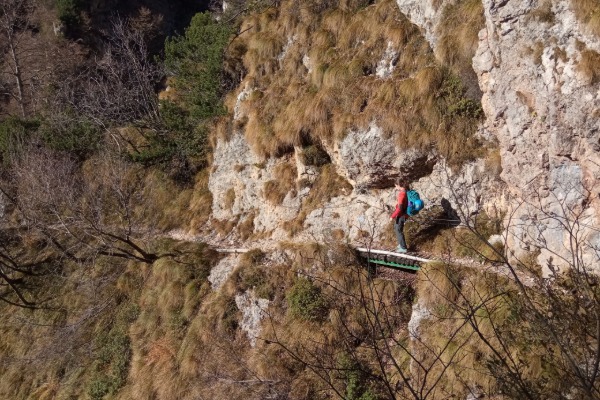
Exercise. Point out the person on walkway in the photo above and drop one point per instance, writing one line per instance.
(399, 216)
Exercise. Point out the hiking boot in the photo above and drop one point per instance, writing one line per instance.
(400, 249)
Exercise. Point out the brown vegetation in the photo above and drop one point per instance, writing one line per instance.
(284, 174)
(340, 91)
(458, 29)
(588, 12)
(588, 66)
(327, 185)
(543, 12)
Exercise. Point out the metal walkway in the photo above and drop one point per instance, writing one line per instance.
(388, 259)
(393, 260)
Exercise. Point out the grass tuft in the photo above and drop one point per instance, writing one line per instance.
(588, 12)
(341, 93)
(284, 174)
(306, 301)
(589, 66)
(327, 186)
(458, 31)
(229, 199)
(543, 12)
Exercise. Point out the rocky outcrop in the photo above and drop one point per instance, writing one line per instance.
(542, 103)
(425, 14)
(253, 311)
(238, 184)
(221, 272)
(370, 160)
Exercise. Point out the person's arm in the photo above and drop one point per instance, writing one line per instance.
(398, 210)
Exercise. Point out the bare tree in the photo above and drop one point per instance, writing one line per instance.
(82, 216)
(14, 16)
(121, 87)
(366, 346)
(499, 327)
(16, 274)
(28, 59)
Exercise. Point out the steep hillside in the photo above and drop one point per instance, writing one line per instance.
(536, 63)
(335, 103)
(184, 226)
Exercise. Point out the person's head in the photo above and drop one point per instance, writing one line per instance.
(400, 184)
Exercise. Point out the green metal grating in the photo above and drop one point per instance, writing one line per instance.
(394, 265)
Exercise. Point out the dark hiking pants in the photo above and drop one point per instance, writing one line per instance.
(399, 229)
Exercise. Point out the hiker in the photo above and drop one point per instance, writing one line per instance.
(399, 216)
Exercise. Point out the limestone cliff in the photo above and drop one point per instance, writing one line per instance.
(541, 99)
(359, 88)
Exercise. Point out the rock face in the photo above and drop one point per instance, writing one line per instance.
(253, 311)
(238, 184)
(425, 14)
(542, 104)
(221, 272)
(369, 160)
(541, 101)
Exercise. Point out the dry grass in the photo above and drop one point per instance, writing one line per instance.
(493, 163)
(439, 281)
(458, 31)
(229, 199)
(443, 289)
(200, 206)
(536, 52)
(285, 174)
(543, 12)
(588, 12)
(327, 186)
(185, 342)
(342, 93)
(589, 66)
(224, 227)
(246, 227)
(447, 295)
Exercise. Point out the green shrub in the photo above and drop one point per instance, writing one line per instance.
(68, 12)
(196, 61)
(315, 155)
(113, 354)
(356, 379)
(454, 99)
(14, 133)
(80, 138)
(99, 388)
(306, 301)
(111, 365)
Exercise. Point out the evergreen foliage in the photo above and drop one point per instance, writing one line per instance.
(180, 141)
(80, 138)
(306, 301)
(113, 354)
(196, 59)
(14, 132)
(68, 13)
